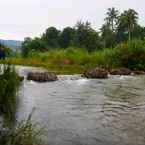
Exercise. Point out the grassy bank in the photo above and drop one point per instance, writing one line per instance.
(58, 68)
(76, 60)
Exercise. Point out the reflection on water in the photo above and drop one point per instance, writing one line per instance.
(78, 111)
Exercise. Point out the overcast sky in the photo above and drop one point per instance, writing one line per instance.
(22, 18)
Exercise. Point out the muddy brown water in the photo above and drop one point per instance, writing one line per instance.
(78, 111)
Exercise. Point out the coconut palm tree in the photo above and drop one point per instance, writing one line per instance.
(111, 18)
(127, 22)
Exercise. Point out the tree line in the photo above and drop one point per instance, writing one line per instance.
(118, 27)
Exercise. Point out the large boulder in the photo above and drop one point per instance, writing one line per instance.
(96, 73)
(42, 76)
(121, 71)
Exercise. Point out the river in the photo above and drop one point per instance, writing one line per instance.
(79, 111)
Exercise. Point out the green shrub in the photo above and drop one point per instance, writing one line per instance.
(9, 84)
(103, 57)
(17, 133)
(77, 55)
(131, 54)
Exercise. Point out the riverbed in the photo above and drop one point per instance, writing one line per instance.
(79, 111)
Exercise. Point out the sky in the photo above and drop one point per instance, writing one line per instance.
(30, 18)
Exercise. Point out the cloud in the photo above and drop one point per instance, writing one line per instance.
(31, 17)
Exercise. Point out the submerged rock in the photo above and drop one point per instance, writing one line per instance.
(42, 76)
(96, 73)
(121, 71)
(138, 72)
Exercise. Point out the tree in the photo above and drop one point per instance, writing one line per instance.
(33, 44)
(111, 19)
(108, 37)
(38, 44)
(4, 51)
(139, 32)
(127, 22)
(51, 37)
(2, 54)
(86, 36)
(108, 30)
(66, 37)
(26, 46)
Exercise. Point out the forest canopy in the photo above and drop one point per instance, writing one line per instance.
(118, 27)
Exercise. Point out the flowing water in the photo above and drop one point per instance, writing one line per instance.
(78, 111)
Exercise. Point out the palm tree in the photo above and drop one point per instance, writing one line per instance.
(111, 18)
(128, 21)
(108, 37)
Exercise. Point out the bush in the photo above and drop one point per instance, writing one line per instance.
(103, 57)
(130, 55)
(77, 55)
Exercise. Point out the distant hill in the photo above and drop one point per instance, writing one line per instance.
(11, 43)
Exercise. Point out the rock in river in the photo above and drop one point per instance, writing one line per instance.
(121, 71)
(42, 76)
(138, 72)
(96, 73)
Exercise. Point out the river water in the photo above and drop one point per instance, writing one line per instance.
(78, 111)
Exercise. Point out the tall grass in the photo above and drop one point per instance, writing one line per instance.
(9, 84)
(63, 56)
(75, 57)
(11, 132)
(25, 133)
(76, 60)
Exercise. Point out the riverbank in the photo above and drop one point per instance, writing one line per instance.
(70, 69)
(72, 60)
(57, 68)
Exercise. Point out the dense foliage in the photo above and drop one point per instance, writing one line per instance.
(131, 54)
(118, 28)
(72, 60)
(9, 83)
(119, 43)
(4, 51)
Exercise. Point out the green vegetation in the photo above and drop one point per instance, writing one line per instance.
(12, 132)
(76, 60)
(9, 84)
(130, 55)
(25, 133)
(119, 43)
(4, 51)
(117, 28)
